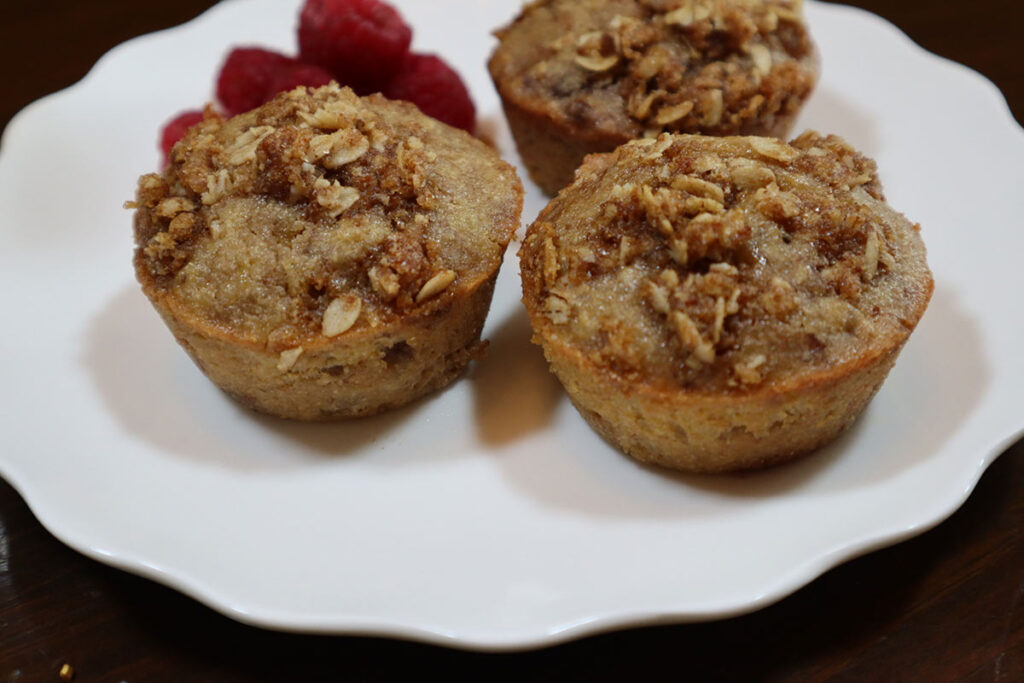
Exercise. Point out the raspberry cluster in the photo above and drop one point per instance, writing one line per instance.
(252, 76)
(363, 44)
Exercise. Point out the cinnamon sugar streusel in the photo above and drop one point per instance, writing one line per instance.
(326, 255)
(722, 303)
(583, 76)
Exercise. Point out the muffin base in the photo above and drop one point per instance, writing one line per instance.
(725, 432)
(552, 151)
(353, 375)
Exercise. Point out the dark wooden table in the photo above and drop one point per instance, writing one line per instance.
(947, 605)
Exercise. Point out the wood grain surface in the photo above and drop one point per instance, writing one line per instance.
(945, 606)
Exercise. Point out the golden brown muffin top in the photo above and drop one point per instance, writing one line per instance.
(725, 263)
(321, 212)
(632, 67)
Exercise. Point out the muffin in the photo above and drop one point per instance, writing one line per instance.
(326, 256)
(582, 76)
(718, 304)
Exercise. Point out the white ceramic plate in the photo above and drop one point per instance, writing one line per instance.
(488, 516)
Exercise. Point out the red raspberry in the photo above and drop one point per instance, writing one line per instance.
(242, 83)
(298, 74)
(362, 42)
(432, 85)
(175, 130)
(251, 76)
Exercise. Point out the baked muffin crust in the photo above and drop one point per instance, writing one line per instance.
(733, 278)
(601, 72)
(319, 231)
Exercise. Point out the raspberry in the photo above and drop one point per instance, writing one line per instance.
(362, 42)
(432, 85)
(296, 75)
(175, 130)
(251, 76)
(242, 83)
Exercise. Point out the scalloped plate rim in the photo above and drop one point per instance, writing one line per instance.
(802, 574)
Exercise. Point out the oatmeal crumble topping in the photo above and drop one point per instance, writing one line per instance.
(643, 66)
(341, 314)
(317, 214)
(436, 285)
(287, 359)
(724, 262)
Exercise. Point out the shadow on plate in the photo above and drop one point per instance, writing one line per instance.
(158, 396)
(514, 393)
(932, 390)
